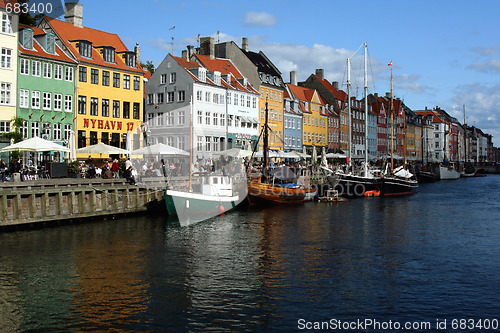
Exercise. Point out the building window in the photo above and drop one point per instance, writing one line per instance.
(105, 78)
(200, 117)
(170, 118)
(126, 81)
(36, 68)
(69, 74)
(35, 129)
(215, 119)
(136, 114)
(159, 98)
(207, 96)
(222, 119)
(24, 96)
(58, 72)
(199, 145)
(116, 80)
(181, 97)
(170, 97)
(85, 49)
(93, 106)
(137, 83)
(4, 126)
(82, 104)
(68, 103)
(35, 100)
(207, 118)
(163, 78)
(82, 74)
(116, 109)
(57, 131)
(126, 110)
(199, 95)
(47, 101)
(208, 141)
(130, 59)
(67, 131)
(105, 138)
(25, 67)
(6, 59)
(105, 108)
(173, 77)
(181, 118)
(151, 99)
(150, 118)
(109, 54)
(159, 119)
(94, 76)
(57, 102)
(242, 100)
(6, 23)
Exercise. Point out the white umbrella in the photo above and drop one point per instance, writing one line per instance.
(314, 154)
(72, 147)
(101, 148)
(270, 153)
(234, 152)
(335, 155)
(129, 143)
(323, 157)
(35, 145)
(160, 149)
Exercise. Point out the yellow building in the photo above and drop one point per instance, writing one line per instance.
(109, 82)
(314, 117)
(274, 99)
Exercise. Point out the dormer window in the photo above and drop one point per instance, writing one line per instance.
(108, 54)
(51, 43)
(217, 76)
(85, 48)
(27, 38)
(130, 59)
(202, 74)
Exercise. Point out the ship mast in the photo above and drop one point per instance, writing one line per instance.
(349, 111)
(392, 121)
(366, 113)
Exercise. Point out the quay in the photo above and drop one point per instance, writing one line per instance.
(69, 199)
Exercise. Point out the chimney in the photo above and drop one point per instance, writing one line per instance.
(207, 47)
(376, 95)
(137, 51)
(73, 13)
(185, 55)
(335, 84)
(190, 51)
(244, 44)
(293, 78)
(388, 94)
(320, 73)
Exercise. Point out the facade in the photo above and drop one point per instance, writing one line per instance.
(372, 134)
(241, 101)
(292, 127)
(46, 83)
(8, 70)
(109, 89)
(336, 104)
(314, 117)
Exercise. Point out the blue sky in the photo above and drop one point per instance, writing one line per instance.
(445, 53)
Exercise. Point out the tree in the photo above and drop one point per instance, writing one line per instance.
(15, 133)
(26, 18)
(149, 66)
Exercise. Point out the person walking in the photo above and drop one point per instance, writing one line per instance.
(115, 168)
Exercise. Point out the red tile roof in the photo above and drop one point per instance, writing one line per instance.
(38, 49)
(338, 94)
(435, 116)
(68, 32)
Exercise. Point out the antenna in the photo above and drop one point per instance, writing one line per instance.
(218, 36)
(198, 40)
(172, 39)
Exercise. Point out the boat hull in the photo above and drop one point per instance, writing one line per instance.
(264, 192)
(427, 177)
(182, 203)
(393, 186)
(356, 186)
(446, 173)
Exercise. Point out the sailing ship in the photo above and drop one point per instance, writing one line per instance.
(269, 187)
(399, 181)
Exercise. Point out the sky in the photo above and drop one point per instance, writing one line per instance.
(445, 53)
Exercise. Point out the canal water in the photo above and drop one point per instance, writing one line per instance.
(427, 258)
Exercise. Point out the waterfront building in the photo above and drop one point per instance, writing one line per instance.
(181, 97)
(314, 116)
(46, 83)
(242, 111)
(427, 139)
(437, 137)
(336, 106)
(372, 134)
(413, 135)
(378, 107)
(8, 70)
(358, 129)
(109, 81)
(292, 127)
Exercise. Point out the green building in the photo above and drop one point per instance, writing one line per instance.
(46, 86)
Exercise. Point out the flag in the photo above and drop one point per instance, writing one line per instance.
(390, 64)
(30, 115)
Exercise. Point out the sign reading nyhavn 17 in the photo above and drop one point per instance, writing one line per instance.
(106, 124)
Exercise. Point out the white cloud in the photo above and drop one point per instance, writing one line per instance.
(488, 66)
(259, 19)
(482, 104)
